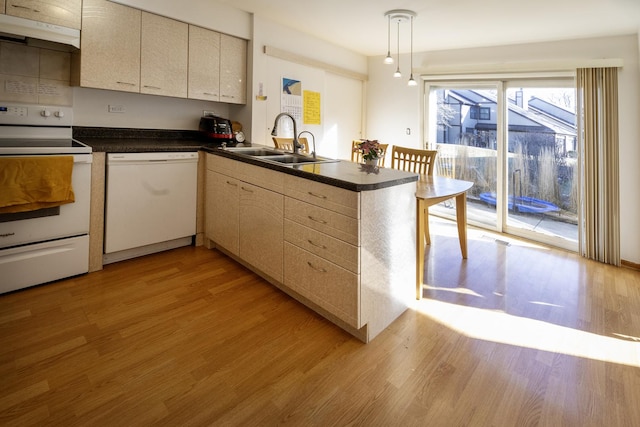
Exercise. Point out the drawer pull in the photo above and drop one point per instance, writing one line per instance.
(320, 269)
(317, 220)
(320, 196)
(246, 189)
(232, 183)
(152, 87)
(316, 245)
(24, 7)
(126, 83)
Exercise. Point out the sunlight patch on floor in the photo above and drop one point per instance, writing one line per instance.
(465, 291)
(500, 327)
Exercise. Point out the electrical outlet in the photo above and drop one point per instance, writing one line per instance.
(206, 113)
(117, 109)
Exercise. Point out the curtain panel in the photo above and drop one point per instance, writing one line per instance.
(597, 102)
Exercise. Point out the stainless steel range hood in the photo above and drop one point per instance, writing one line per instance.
(13, 26)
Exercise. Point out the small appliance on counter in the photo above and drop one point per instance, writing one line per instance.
(216, 130)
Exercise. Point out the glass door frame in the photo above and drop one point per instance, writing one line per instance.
(501, 83)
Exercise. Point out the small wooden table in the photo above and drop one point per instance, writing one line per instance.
(430, 191)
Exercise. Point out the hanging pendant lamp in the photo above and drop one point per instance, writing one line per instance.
(388, 59)
(400, 16)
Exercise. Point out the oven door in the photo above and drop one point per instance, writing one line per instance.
(65, 221)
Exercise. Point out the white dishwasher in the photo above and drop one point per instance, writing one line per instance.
(150, 203)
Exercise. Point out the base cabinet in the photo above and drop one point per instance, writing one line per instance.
(222, 219)
(348, 255)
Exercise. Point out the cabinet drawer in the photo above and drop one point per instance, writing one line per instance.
(261, 177)
(331, 287)
(344, 254)
(334, 224)
(336, 199)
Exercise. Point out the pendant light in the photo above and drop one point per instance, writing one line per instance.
(397, 74)
(388, 59)
(411, 81)
(400, 16)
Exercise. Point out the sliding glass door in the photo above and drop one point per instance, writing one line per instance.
(516, 141)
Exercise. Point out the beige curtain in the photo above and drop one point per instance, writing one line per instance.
(597, 99)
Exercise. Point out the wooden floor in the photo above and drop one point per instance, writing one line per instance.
(516, 335)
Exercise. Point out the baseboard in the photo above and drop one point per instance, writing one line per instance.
(629, 264)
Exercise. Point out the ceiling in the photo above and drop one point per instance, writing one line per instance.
(360, 25)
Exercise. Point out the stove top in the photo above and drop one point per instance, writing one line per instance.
(42, 146)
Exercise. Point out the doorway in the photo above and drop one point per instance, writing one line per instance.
(516, 140)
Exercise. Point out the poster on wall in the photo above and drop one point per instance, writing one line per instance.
(291, 101)
(311, 101)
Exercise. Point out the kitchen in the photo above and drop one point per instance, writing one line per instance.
(145, 111)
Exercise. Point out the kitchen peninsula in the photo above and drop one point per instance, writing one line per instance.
(337, 236)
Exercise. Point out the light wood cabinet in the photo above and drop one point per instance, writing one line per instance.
(66, 13)
(163, 56)
(204, 64)
(2, 6)
(222, 219)
(348, 255)
(233, 70)
(109, 56)
(244, 214)
(261, 232)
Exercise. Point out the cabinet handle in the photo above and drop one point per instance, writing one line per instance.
(152, 87)
(320, 269)
(232, 183)
(317, 220)
(25, 7)
(320, 196)
(246, 189)
(316, 245)
(126, 83)
(209, 93)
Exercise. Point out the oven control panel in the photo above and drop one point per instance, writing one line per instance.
(35, 115)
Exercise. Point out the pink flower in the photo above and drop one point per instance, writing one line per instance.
(370, 149)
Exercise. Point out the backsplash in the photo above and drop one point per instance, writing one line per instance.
(34, 75)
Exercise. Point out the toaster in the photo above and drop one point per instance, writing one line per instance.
(216, 130)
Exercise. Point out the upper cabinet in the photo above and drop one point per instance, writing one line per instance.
(122, 48)
(66, 13)
(233, 69)
(204, 64)
(164, 56)
(109, 56)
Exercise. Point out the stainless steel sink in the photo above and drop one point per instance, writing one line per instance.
(277, 156)
(254, 152)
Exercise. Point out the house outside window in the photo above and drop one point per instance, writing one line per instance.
(480, 113)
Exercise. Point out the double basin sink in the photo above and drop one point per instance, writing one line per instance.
(272, 155)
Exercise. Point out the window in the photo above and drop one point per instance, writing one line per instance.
(480, 113)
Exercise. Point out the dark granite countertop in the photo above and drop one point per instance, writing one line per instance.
(341, 173)
(121, 140)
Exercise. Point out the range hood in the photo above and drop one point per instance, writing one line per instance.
(13, 26)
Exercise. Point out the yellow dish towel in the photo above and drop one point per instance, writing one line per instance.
(32, 183)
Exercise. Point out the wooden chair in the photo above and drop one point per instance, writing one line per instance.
(287, 144)
(356, 156)
(419, 161)
(413, 160)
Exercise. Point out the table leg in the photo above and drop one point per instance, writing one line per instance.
(461, 219)
(420, 218)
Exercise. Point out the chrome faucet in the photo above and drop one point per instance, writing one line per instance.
(274, 132)
(313, 138)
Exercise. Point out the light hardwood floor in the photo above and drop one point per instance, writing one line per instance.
(516, 335)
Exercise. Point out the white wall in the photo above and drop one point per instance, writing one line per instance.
(91, 108)
(335, 133)
(392, 106)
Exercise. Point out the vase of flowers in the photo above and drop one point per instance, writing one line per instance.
(371, 151)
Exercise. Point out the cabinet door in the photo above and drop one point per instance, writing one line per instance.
(164, 56)
(2, 5)
(233, 70)
(204, 64)
(66, 13)
(222, 211)
(109, 57)
(261, 229)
